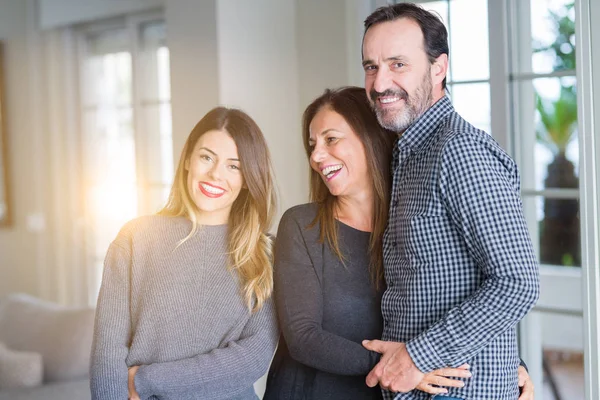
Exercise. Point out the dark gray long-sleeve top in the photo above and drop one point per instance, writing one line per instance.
(178, 312)
(325, 310)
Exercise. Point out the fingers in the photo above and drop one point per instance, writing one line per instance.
(373, 378)
(523, 375)
(388, 377)
(374, 345)
(446, 382)
(526, 396)
(393, 366)
(453, 372)
(382, 376)
(528, 392)
(441, 379)
(432, 390)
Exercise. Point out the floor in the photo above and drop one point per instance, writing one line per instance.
(568, 374)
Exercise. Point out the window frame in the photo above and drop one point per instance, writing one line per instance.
(132, 24)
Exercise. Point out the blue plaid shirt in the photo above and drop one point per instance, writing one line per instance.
(459, 264)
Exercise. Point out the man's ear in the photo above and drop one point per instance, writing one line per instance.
(439, 69)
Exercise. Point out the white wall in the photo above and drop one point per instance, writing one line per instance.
(54, 13)
(258, 72)
(561, 289)
(193, 48)
(356, 13)
(20, 255)
(322, 54)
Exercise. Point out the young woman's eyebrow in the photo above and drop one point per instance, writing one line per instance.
(216, 155)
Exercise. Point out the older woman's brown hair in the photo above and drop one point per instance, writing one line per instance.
(352, 104)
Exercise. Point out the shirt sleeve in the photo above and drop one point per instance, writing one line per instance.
(112, 330)
(479, 185)
(230, 369)
(299, 300)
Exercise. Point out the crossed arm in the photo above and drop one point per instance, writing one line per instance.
(228, 369)
(234, 367)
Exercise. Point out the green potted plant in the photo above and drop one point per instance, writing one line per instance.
(559, 230)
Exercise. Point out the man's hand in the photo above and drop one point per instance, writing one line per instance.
(395, 371)
(442, 377)
(525, 384)
(133, 394)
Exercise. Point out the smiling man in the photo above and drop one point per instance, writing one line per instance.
(459, 264)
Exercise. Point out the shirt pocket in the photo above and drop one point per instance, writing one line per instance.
(422, 238)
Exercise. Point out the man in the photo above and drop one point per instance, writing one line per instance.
(459, 265)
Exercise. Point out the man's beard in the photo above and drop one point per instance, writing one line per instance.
(414, 106)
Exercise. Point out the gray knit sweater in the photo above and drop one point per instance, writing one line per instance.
(178, 312)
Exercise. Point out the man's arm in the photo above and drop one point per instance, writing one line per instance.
(479, 186)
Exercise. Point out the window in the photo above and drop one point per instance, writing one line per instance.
(545, 108)
(543, 87)
(126, 138)
(469, 72)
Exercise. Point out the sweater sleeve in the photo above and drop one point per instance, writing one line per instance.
(112, 331)
(229, 369)
(299, 300)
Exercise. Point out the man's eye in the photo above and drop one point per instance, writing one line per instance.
(398, 65)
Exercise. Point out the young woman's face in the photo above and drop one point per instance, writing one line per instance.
(214, 176)
(338, 155)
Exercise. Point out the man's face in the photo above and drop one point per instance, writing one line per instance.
(398, 74)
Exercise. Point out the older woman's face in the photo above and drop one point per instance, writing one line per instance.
(338, 155)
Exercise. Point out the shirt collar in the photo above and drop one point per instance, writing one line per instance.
(417, 134)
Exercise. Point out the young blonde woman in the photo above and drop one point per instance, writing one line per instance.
(184, 310)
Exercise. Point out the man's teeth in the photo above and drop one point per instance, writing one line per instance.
(331, 170)
(211, 189)
(389, 100)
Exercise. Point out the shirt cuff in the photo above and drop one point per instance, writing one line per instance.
(423, 354)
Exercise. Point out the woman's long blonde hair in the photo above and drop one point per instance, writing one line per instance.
(252, 212)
